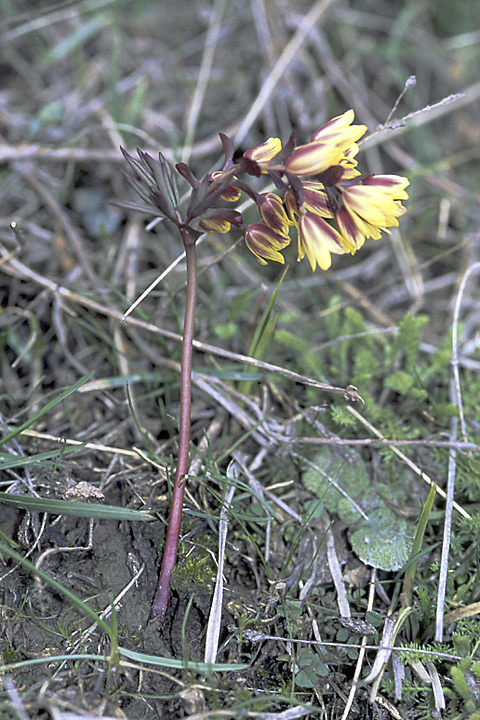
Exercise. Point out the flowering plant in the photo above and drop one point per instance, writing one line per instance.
(320, 196)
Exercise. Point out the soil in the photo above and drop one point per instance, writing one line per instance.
(40, 622)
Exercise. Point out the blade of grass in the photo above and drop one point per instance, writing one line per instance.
(73, 508)
(130, 655)
(215, 616)
(263, 334)
(10, 461)
(172, 663)
(417, 547)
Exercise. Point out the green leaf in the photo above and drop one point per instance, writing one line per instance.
(292, 341)
(385, 541)
(399, 381)
(76, 39)
(349, 472)
(380, 537)
(264, 332)
(417, 543)
(408, 338)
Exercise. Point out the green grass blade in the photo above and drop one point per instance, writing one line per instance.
(8, 460)
(130, 655)
(74, 508)
(263, 325)
(179, 664)
(417, 544)
(264, 332)
(51, 659)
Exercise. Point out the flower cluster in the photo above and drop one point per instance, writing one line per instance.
(320, 195)
(331, 205)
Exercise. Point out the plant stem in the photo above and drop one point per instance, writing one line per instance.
(162, 595)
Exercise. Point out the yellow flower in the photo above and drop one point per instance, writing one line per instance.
(328, 146)
(370, 208)
(353, 231)
(220, 219)
(317, 240)
(313, 158)
(263, 154)
(264, 243)
(349, 164)
(340, 130)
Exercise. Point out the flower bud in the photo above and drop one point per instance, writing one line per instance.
(264, 243)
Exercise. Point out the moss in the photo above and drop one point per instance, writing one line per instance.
(11, 656)
(194, 571)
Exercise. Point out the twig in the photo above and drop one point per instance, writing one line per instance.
(204, 75)
(457, 399)
(277, 72)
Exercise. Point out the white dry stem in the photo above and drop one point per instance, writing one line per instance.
(398, 676)
(420, 671)
(437, 686)
(261, 491)
(58, 714)
(361, 654)
(454, 361)
(383, 653)
(456, 399)
(293, 713)
(336, 573)
(174, 263)
(105, 614)
(13, 267)
(215, 617)
(425, 115)
(15, 699)
(156, 282)
(386, 646)
(447, 531)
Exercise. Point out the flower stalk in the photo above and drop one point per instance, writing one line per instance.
(162, 594)
(319, 194)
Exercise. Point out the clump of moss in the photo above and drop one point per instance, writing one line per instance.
(194, 571)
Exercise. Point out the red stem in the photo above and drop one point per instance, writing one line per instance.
(162, 595)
